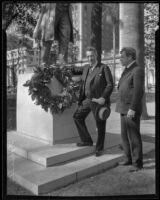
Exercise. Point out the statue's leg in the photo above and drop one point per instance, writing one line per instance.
(64, 35)
(45, 51)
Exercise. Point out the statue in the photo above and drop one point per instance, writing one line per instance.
(54, 23)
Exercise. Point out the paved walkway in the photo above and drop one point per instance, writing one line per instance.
(118, 180)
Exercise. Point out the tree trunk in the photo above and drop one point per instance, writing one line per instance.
(132, 34)
(157, 70)
(144, 108)
(114, 53)
(96, 28)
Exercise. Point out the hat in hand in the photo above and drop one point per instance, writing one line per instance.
(102, 112)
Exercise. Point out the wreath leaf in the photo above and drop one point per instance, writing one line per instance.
(42, 94)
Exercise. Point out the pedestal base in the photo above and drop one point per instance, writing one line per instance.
(34, 122)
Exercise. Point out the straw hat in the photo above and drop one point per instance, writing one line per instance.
(102, 112)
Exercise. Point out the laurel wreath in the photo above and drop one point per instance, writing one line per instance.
(42, 95)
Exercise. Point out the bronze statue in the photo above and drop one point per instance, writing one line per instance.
(54, 23)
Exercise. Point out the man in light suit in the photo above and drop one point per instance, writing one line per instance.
(96, 88)
(129, 105)
(54, 23)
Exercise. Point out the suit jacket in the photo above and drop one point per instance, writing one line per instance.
(47, 23)
(101, 84)
(130, 90)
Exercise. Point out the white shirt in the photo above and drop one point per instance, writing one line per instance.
(93, 66)
(130, 64)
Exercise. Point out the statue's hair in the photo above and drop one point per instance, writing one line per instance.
(129, 52)
(90, 48)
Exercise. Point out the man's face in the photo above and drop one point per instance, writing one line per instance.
(125, 60)
(91, 56)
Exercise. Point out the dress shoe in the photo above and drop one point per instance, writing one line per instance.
(99, 153)
(123, 163)
(135, 168)
(82, 144)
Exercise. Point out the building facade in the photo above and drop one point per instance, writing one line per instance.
(82, 23)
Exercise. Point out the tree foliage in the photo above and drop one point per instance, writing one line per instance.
(151, 18)
(23, 15)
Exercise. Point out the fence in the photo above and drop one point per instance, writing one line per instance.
(78, 65)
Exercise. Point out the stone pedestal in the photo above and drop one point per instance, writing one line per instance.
(34, 122)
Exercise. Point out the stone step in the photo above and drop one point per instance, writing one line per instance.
(40, 180)
(49, 155)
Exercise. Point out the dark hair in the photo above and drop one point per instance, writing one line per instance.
(90, 48)
(129, 52)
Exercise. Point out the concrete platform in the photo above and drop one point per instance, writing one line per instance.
(49, 155)
(40, 180)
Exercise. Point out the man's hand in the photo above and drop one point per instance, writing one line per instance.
(100, 100)
(76, 79)
(131, 113)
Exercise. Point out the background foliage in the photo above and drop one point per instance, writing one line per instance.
(22, 17)
(151, 18)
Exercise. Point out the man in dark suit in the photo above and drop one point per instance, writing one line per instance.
(129, 105)
(96, 88)
(54, 23)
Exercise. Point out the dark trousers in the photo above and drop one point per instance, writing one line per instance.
(45, 52)
(63, 32)
(131, 139)
(79, 118)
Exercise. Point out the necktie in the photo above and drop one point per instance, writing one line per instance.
(91, 69)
